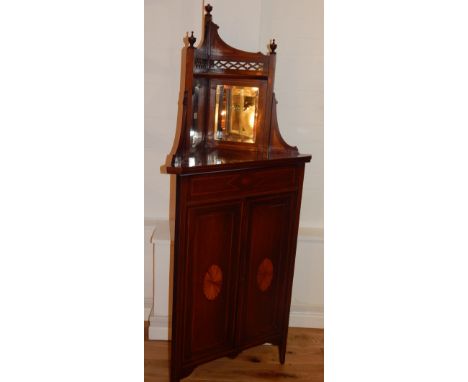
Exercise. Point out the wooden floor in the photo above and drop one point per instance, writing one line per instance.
(304, 362)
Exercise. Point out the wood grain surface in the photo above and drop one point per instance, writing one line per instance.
(304, 362)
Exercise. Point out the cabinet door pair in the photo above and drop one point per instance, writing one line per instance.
(237, 272)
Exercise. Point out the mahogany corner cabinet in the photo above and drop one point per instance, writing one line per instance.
(238, 198)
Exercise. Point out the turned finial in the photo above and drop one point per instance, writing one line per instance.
(191, 40)
(273, 47)
(208, 9)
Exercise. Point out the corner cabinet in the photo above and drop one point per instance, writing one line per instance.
(238, 195)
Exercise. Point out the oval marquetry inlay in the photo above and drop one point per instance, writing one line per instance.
(265, 274)
(212, 282)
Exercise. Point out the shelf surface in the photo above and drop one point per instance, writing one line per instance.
(217, 160)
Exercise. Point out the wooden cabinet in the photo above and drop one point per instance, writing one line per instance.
(238, 194)
(234, 263)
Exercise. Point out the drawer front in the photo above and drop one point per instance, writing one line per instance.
(242, 183)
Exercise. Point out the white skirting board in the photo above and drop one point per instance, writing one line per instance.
(300, 317)
(148, 308)
(159, 328)
(305, 316)
(307, 295)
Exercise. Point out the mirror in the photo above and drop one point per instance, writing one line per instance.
(235, 115)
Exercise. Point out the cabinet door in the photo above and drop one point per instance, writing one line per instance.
(212, 271)
(265, 272)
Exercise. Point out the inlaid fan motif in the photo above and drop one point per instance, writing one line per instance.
(265, 274)
(212, 282)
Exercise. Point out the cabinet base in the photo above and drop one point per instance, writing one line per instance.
(176, 376)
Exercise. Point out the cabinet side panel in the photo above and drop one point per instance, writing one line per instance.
(212, 262)
(268, 227)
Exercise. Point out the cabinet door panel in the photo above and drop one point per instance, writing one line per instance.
(213, 255)
(268, 222)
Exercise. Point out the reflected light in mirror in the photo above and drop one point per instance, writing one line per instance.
(235, 113)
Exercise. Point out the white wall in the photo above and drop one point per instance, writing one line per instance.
(297, 26)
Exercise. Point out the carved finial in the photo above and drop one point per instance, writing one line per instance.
(273, 47)
(191, 40)
(208, 9)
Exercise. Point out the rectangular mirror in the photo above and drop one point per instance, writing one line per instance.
(235, 114)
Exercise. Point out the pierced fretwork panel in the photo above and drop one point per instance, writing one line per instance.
(204, 64)
(238, 65)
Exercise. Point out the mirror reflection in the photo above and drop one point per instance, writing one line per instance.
(235, 116)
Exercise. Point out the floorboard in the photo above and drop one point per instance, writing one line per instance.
(304, 361)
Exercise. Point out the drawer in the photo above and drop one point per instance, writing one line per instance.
(242, 183)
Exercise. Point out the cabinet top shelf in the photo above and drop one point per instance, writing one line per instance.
(219, 160)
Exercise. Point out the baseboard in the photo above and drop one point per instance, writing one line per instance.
(148, 308)
(313, 234)
(306, 316)
(301, 316)
(158, 328)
